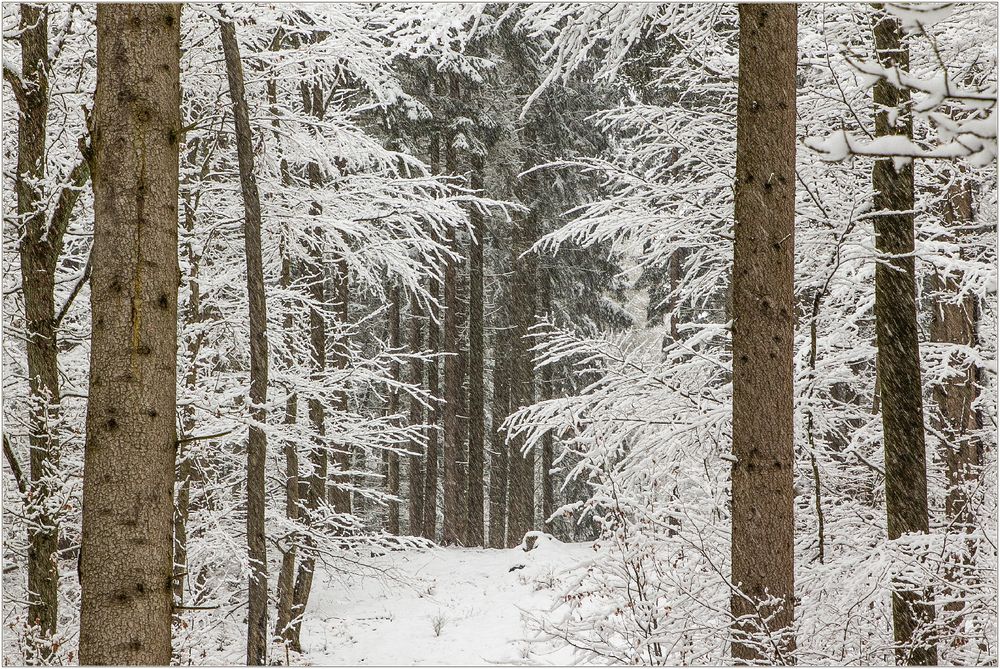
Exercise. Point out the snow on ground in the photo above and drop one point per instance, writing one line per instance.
(443, 606)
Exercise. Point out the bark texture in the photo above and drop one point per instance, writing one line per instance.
(764, 318)
(474, 526)
(434, 414)
(415, 472)
(521, 464)
(286, 576)
(896, 334)
(39, 251)
(392, 526)
(954, 320)
(127, 558)
(452, 522)
(498, 447)
(257, 442)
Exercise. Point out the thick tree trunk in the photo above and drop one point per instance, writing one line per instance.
(257, 443)
(521, 468)
(896, 333)
(477, 412)
(128, 486)
(415, 472)
(39, 251)
(763, 528)
(955, 419)
(498, 444)
(393, 470)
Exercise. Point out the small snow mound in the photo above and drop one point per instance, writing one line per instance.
(536, 539)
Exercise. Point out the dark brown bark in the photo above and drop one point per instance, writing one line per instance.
(415, 471)
(39, 251)
(393, 469)
(521, 463)
(128, 486)
(452, 523)
(498, 444)
(434, 414)
(477, 413)
(257, 443)
(764, 318)
(896, 334)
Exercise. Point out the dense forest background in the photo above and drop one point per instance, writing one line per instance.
(452, 274)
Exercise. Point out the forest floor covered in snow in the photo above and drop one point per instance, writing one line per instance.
(443, 606)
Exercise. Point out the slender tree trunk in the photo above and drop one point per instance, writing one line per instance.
(452, 380)
(257, 444)
(393, 470)
(955, 419)
(185, 469)
(896, 336)
(128, 484)
(434, 344)
(415, 473)
(316, 493)
(764, 319)
(498, 444)
(286, 576)
(340, 494)
(39, 250)
(477, 412)
(521, 468)
(545, 386)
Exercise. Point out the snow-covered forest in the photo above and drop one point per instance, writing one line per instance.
(499, 333)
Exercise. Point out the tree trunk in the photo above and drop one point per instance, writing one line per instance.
(39, 251)
(415, 472)
(286, 577)
(764, 318)
(477, 412)
(257, 444)
(896, 334)
(340, 494)
(315, 274)
(434, 414)
(545, 386)
(128, 486)
(452, 380)
(185, 469)
(955, 419)
(393, 470)
(521, 468)
(498, 444)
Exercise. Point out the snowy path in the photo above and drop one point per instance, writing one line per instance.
(452, 606)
